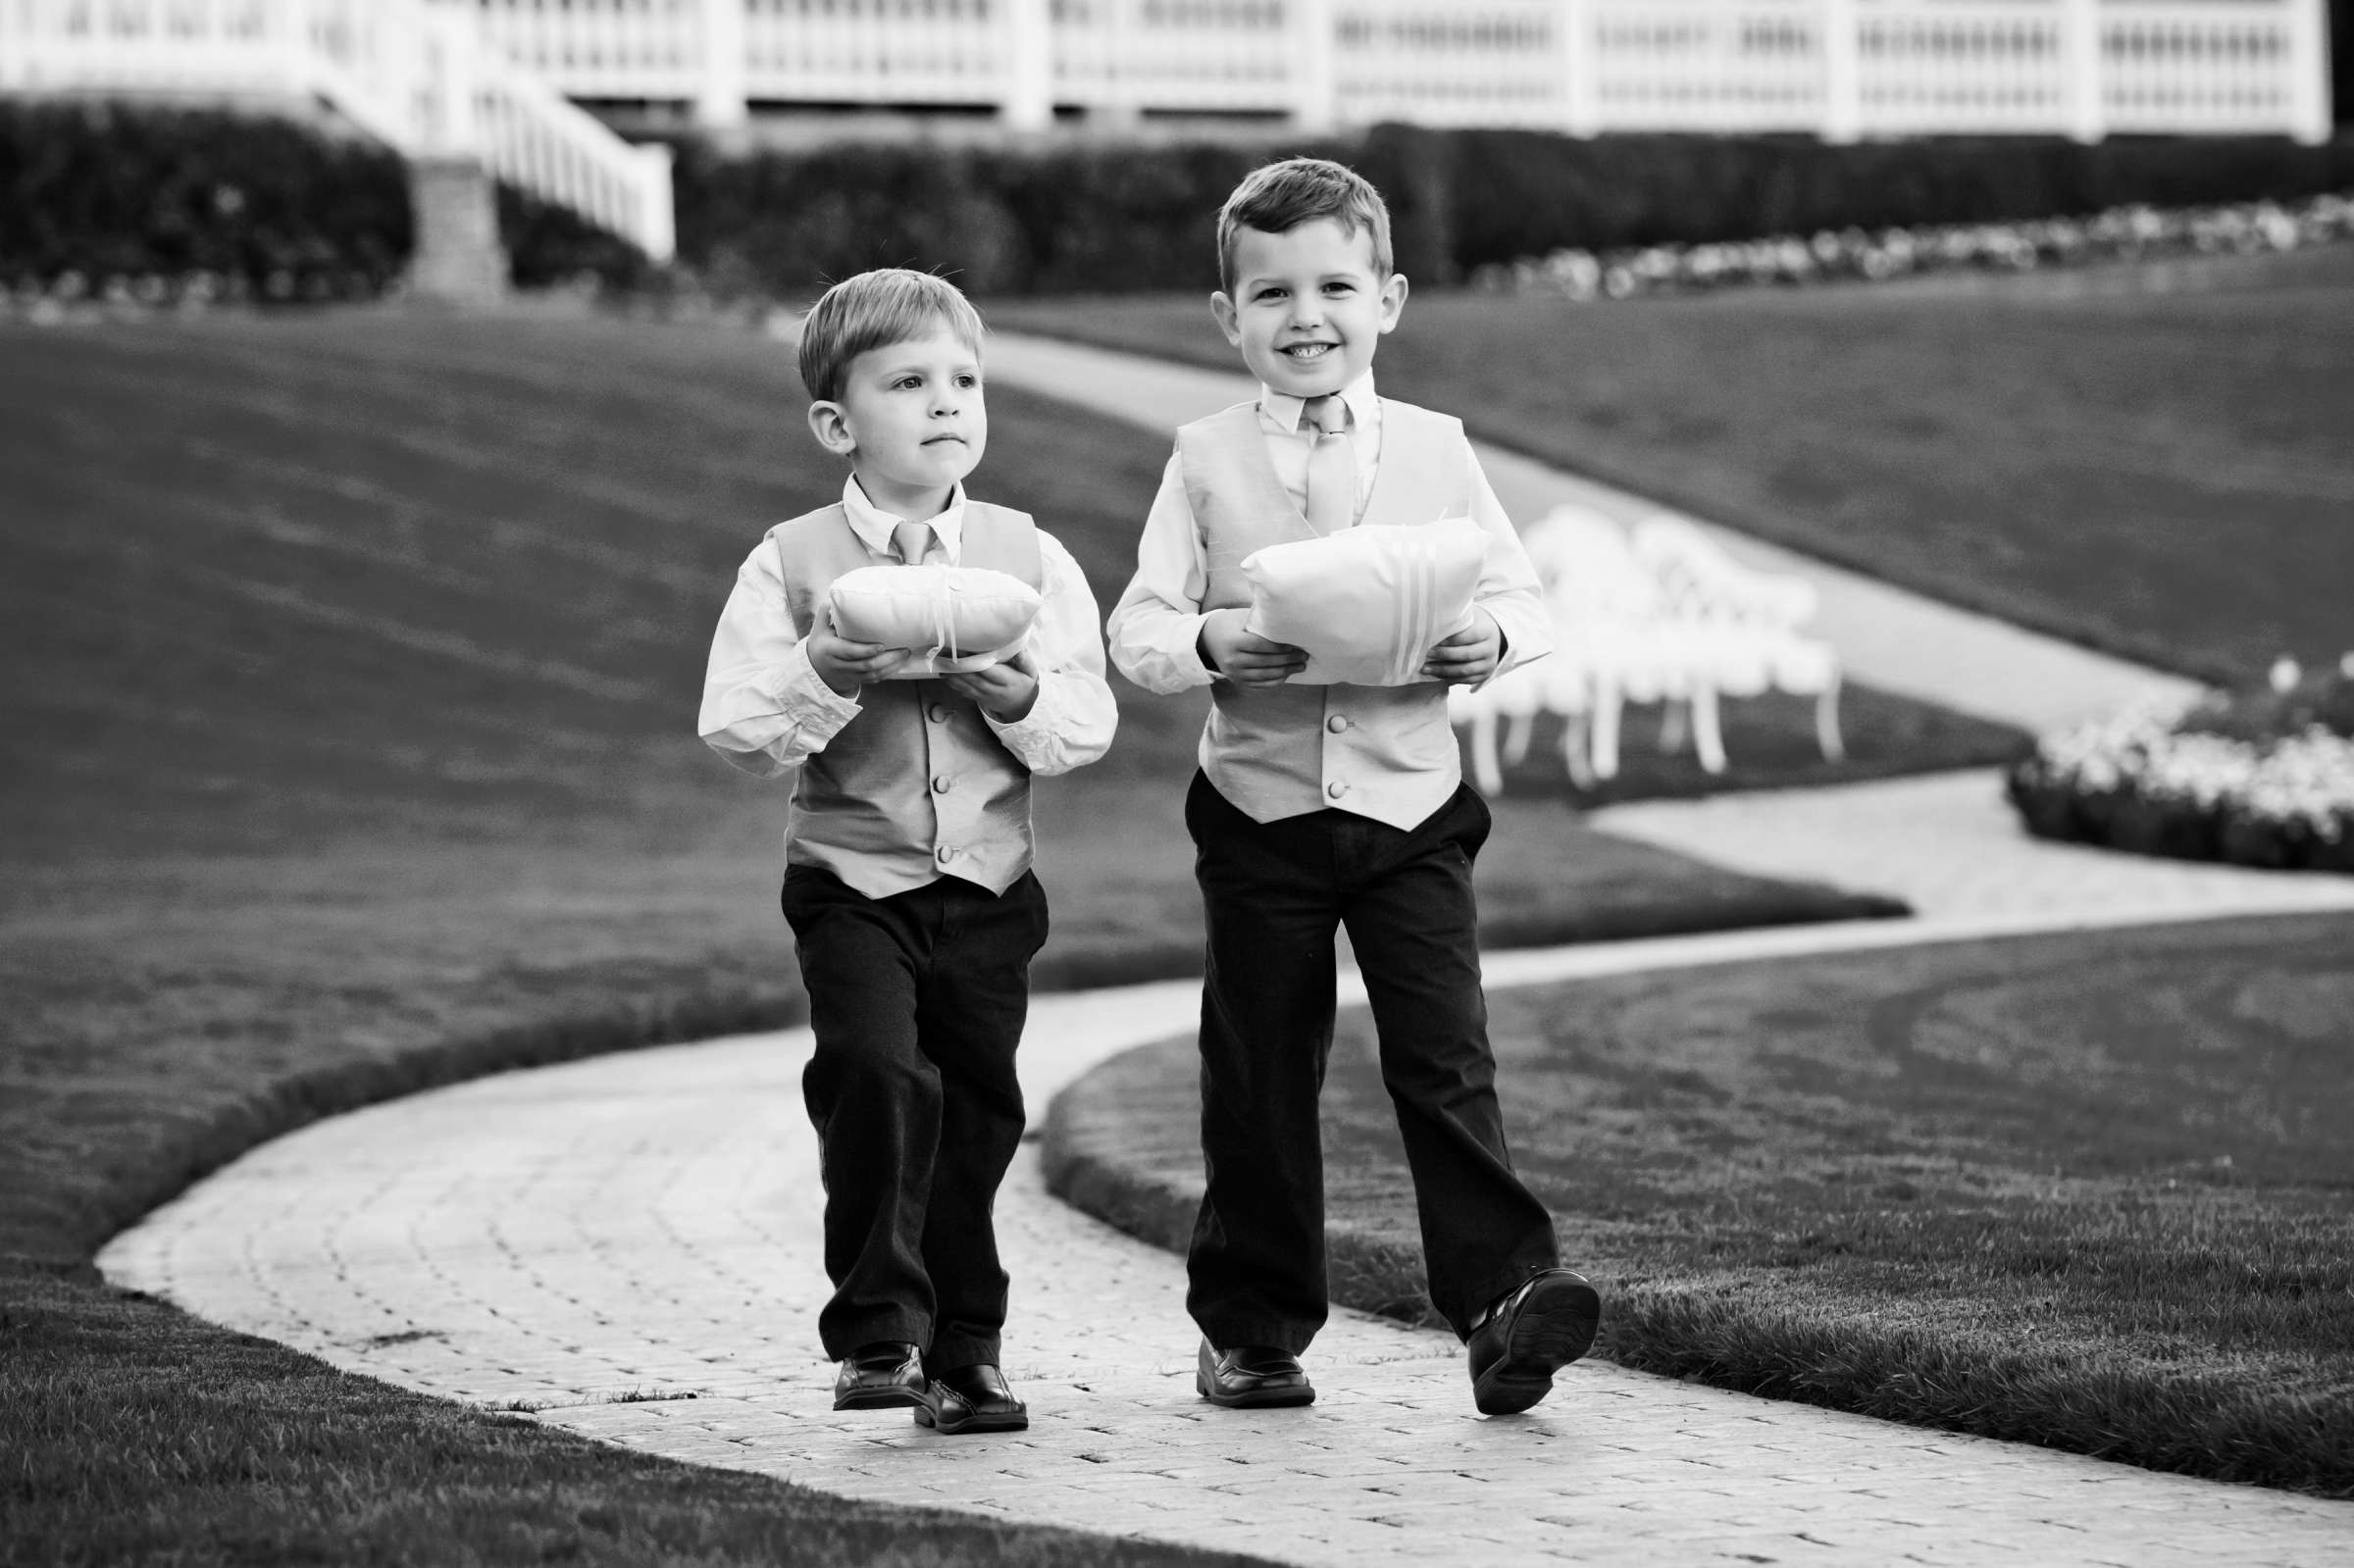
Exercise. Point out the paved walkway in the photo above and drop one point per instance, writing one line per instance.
(1887, 637)
(1950, 847)
(629, 1247)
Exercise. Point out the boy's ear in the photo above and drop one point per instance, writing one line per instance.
(1222, 311)
(1393, 300)
(832, 428)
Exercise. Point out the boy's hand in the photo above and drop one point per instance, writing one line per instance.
(1244, 657)
(846, 666)
(1005, 691)
(1470, 655)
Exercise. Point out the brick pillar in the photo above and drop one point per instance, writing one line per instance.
(458, 259)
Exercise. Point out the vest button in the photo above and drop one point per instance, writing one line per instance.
(1336, 790)
(1338, 723)
(941, 783)
(938, 713)
(945, 854)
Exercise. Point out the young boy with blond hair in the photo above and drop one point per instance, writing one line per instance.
(1320, 806)
(907, 876)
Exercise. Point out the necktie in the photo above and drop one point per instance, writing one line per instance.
(913, 542)
(1331, 467)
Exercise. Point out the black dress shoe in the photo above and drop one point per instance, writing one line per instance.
(972, 1398)
(1252, 1377)
(1529, 1334)
(882, 1376)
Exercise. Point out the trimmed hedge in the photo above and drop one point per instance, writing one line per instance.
(1525, 193)
(1121, 218)
(1088, 219)
(272, 209)
(148, 198)
(100, 195)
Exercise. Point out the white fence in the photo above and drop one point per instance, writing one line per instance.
(1842, 69)
(413, 73)
(492, 78)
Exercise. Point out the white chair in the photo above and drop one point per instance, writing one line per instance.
(1663, 615)
(1748, 619)
(1614, 644)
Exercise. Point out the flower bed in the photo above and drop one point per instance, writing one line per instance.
(2259, 779)
(2120, 233)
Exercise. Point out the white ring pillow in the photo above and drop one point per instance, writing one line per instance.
(954, 618)
(1368, 603)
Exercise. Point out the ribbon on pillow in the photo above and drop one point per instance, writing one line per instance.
(1369, 603)
(952, 619)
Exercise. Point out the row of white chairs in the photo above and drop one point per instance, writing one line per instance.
(1658, 613)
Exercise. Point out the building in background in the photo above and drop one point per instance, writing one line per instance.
(499, 85)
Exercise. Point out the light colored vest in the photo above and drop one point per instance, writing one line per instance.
(1385, 752)
(917, 787)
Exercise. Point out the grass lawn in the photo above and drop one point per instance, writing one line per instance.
(2087, 1191)
(2168, 476)
(350, 662)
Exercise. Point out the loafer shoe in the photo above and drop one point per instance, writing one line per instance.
(882, 1376)
(1528, 1335)
(1252, 1377)
(974, 1398)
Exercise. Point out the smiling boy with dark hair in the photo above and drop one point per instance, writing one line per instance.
(1321, 806)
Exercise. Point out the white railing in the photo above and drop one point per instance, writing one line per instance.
(415, 74)
(1841, 68)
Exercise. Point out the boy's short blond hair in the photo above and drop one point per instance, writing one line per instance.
(1279, 197)
(875, 310)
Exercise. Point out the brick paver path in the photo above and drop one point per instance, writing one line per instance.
(629, 1247)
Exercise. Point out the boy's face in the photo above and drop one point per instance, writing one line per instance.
(1308, 309)
(911, 419)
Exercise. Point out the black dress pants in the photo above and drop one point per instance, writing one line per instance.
(1273, 894)
(917, 1003)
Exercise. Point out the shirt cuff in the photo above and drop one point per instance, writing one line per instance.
(1186, 657)
(816, 707)
(1028, 735)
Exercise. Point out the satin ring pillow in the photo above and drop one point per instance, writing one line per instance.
(954, 618)
(1368, 603)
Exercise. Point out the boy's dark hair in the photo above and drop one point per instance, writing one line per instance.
(1279, 197)
(875, 310)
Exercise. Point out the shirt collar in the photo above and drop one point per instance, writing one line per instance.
(1364, 404)
(873, 525)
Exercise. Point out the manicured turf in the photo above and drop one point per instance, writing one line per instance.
(350, 662)
(2088, 1190)
(2164, 476)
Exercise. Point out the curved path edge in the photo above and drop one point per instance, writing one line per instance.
(629, 1247)
(1096, 1157)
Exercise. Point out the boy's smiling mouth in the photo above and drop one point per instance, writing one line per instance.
(1309, 350)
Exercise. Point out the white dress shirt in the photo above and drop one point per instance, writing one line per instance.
(766, 709)
(1156, 627)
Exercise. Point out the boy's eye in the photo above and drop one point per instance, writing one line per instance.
(968, 380)
(1270, 293)
(907, 383)
(1340, 288)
